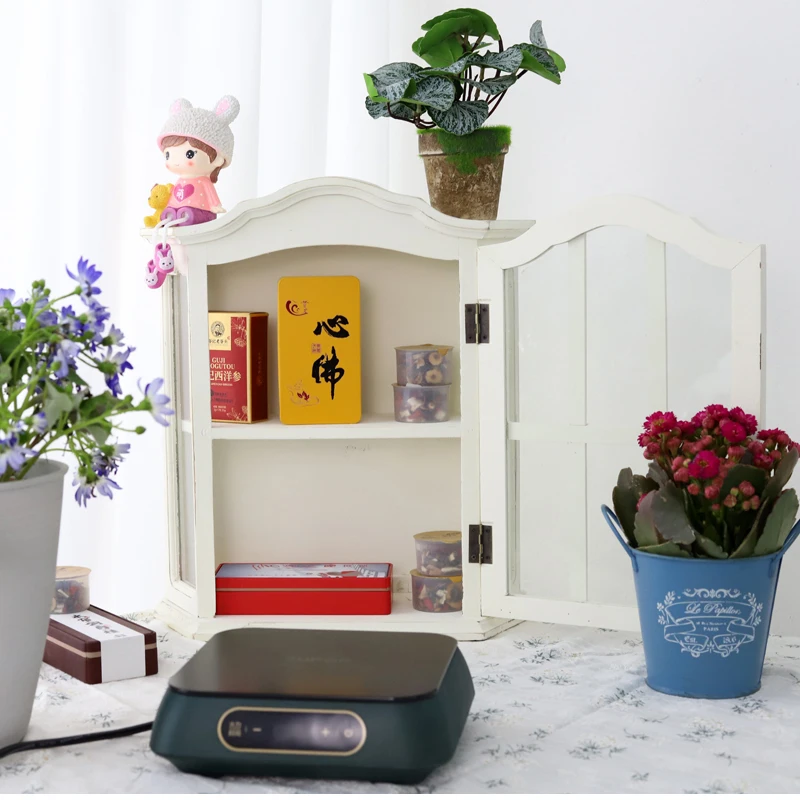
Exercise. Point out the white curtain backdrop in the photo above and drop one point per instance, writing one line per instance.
(696, 105)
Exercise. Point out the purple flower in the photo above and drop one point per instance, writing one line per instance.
(84, 491)
(107, 460)
(119, 362)
(86, 276)
(40, 423)
(45, 318)
(13, 455)
(115, 336)
(66, 351)
(104, 485)
(159, 403)
(7, 294)
(70, 320)
(91, 483)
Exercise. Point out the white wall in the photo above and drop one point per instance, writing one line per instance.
(696, 105)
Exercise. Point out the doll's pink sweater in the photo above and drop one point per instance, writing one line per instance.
(194, 192)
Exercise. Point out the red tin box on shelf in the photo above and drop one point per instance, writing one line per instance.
(304, 589)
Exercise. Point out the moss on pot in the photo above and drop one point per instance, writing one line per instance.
(463, 151)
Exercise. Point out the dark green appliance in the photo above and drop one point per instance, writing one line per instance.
(342, 705)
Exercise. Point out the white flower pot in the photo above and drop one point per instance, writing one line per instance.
(30, 518)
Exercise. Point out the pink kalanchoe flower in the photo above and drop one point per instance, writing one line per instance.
(677, 463)
(770, 436)
(763, 462)
(746, 505)
(711, 492)
(715, 507)
(674, 443)
(660, 422)
(724, 469)
(705, 465)
(735, 451)
(652, 450)
(687, 428)
(776, 456)
(706, 441)
(644, 439)
(682, 475)
(756, 447)
(693, 488)
(729, 501)
(755, 501)
(747, 488)
(718, 481)
(747, 421)
(719, 412)
(733, 431)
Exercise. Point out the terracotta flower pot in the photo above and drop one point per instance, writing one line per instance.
(30, 519)
(464, 173)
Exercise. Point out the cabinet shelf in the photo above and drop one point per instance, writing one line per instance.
(403, 618)
(372, 426)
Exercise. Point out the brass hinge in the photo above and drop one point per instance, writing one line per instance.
(476, 323)
(480, 544)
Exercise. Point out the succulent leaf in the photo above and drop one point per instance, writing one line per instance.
(669, 515)
(624, 498)
(778, 524)
(781, 475)
(666, 549)
(643, 528)
(742, 472)
(658, 474)
(709, 546)
(748, 545)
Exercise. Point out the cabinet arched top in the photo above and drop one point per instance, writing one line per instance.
(628, 211)
(337, 211)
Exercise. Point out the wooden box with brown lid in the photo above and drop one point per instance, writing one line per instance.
(95, 646)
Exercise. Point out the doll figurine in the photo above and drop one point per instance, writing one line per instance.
(196, 144)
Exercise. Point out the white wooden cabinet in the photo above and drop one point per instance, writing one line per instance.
(268, 492)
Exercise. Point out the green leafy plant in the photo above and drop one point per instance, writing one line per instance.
(464, 82)
(48, 352)
(714, 488)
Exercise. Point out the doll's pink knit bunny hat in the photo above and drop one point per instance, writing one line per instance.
(210, 127)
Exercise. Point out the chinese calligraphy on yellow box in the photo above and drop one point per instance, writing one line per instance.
(319, 350)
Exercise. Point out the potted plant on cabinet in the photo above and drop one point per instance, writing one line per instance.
(706, 530)
(48, 352)
(450, 100)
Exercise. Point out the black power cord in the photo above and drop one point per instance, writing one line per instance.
(40, 744)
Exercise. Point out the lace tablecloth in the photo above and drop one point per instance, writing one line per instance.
(557, 709)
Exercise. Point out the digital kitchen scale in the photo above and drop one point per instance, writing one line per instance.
(343, 705)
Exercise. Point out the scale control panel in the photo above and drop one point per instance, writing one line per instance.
(292, 731)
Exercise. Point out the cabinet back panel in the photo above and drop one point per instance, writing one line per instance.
(333, 500)
(405, 300)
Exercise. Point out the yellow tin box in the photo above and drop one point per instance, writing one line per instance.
(319, 350)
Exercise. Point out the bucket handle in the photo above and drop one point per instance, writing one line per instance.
(616, 529)
(778, 557)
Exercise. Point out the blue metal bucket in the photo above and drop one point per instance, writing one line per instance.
(704, 621)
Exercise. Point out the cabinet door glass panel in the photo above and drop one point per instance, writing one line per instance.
(591, 351)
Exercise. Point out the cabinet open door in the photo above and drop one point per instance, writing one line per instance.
(591, 326)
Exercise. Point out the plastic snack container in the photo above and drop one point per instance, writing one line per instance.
(421, 403)
(72, 590)
(438, 595)
(438, 553)
(424, 365)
